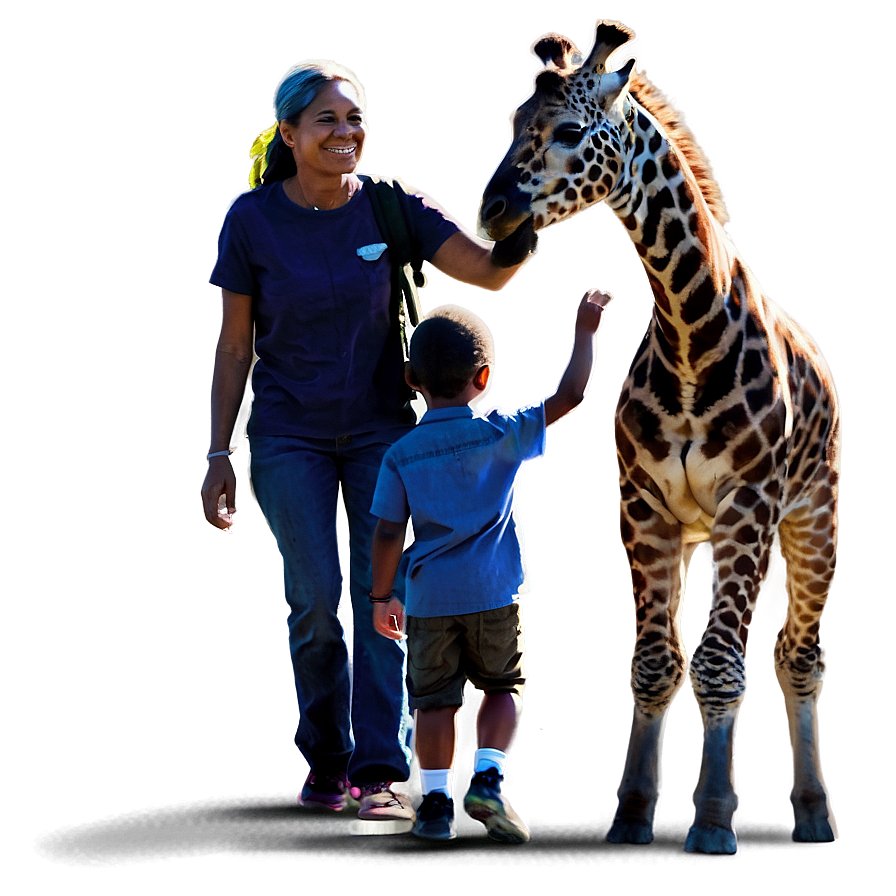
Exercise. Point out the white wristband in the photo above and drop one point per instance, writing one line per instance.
(226, 453)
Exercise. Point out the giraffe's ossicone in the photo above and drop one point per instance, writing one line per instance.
(727, 428)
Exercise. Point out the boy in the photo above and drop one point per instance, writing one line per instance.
(453, 476)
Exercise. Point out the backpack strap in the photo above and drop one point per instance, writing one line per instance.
(390, 201)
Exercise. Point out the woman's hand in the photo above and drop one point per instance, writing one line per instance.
(388, 619)
(220, 483)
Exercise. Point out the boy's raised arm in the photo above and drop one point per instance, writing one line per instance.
(571, 390)
(386, 551)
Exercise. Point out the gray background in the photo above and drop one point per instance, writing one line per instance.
(148, 704)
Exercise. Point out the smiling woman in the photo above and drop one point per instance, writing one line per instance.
(306, 276)
(329, 142)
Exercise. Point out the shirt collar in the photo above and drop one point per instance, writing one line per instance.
(464, 412)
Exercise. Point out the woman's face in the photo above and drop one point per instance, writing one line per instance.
(330, 132)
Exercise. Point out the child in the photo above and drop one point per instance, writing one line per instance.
(453, 476)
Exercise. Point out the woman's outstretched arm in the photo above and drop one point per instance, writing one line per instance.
(489, 265)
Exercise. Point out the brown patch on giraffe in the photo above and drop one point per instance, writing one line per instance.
(707, 338)
(723, 429)
(673, 234)
(670, 166)
(659, 264)
(640, 511)
(731, 517)
(699, 301)
(730, 620)
(747, 451)
(657, 203)
(685, 200)
(762, 514)
(759, 471)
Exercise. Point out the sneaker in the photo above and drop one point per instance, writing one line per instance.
(325, 792)
(485, 802)
(380, 802)
(435, 817)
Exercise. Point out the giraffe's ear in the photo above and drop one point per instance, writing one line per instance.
(610, 36)
(613, 84)
(557, 51)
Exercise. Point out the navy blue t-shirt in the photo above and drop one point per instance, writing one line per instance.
(329, 355)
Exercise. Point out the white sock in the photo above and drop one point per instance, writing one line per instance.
(436, 779)
(486, 758)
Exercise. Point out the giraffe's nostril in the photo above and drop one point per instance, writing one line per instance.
(495, 209)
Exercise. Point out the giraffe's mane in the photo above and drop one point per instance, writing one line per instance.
(679, 134)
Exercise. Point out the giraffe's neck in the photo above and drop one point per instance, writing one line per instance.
(686, 254)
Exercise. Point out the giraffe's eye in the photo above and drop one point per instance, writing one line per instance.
(569, 134)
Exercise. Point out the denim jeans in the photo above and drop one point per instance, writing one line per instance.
(353, 715)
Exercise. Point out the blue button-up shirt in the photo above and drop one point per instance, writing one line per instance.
(453, 475)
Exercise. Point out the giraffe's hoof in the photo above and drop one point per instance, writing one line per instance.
(633, 822)
(630, 832)
(711, 840)
(812, 821)
(817, 831)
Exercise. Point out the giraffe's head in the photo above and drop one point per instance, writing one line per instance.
(568, 137)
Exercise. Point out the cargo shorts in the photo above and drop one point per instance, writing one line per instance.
(444, 652)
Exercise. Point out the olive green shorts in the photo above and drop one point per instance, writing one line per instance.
(444, 652)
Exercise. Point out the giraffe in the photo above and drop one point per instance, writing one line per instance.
(727, 427)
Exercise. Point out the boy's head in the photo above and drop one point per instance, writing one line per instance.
(448, 348)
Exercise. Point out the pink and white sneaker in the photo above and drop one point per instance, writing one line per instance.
(325, 792)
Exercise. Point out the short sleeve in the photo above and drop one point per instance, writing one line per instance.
(233, 270)
(390, 500)
(532, 431)
(432, 224)
(527, 428)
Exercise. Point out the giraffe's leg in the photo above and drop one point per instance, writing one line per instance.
(741, 540)
(808, 543)
(654, 545)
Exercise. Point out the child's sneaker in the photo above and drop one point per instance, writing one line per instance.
(380, 802)
(485, 803)
(435, 817)
(325, 792)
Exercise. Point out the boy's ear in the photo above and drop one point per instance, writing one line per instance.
(480, 380)
(410, 377)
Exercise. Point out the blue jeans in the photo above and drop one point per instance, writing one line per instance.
(353, 715)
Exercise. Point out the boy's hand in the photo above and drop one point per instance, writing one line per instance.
(388, 619)
(591, 310)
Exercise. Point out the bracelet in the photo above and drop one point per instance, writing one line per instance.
(380, 600)
(226, 453)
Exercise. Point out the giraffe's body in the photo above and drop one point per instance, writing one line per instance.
(727, 428)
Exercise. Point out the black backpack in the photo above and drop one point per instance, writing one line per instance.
(391, 211)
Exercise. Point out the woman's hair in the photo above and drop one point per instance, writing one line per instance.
(298, 89)
(447, 349)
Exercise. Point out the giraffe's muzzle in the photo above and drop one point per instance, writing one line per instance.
(504, 205)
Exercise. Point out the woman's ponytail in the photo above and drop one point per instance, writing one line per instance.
(271, 158)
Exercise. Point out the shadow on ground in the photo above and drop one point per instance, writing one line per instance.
(250, 844)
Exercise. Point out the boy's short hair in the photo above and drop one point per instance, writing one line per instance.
(448, 348)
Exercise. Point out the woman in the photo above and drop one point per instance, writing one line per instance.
(329, 399)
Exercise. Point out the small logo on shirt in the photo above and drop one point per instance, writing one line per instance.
(372, 252)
